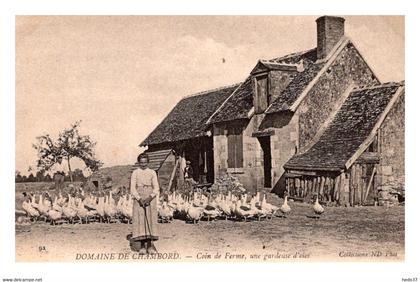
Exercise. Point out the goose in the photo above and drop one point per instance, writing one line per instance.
(54, 216)
(318, 209)
(166, 213)
(56, 206)
(30, 210)
(267, 207)
(61, 200)
(241, 211)
(100, 208)
(285, 208)
(110, 208)
(256, 209)
(69, 210)
(81, 211)
(225, 207)
(127, 207)
(210, 209)
(194, 213)
(44, 206)
(33, 202)
(120, 205)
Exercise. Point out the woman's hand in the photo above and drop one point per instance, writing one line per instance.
(141, 202)
(148, 200)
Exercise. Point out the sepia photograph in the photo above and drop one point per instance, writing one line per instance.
(210, 138)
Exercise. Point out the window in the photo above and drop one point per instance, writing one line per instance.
(262, 97)
(235, 147)
(373, 147)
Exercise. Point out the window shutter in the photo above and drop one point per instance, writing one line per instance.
(231, 148)
(235, 148)
(262, 87)
(239, 151)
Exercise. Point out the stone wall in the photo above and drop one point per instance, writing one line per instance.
(220, 148)
(252, 173)
(391, 147)
(324, 97)
(284, 144)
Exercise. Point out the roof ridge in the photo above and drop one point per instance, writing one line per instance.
(210, 90)
(292, 54)
(382, 85)
(276, 63)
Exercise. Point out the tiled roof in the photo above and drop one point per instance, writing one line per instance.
(295, 58)
(188, 118)
(350, 127)
(237, 106)
(289, 95)
(241, 102)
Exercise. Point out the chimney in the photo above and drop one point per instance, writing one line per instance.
(329, 32)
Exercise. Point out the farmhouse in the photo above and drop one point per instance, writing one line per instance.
(312, 121)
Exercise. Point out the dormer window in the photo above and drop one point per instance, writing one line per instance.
(262, 95)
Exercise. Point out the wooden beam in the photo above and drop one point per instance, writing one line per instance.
(341, 189)
(321, 187)
(370, 183)
(328, 184)
(337, 188)
(173, 174)
(356, 185)
(351, 186)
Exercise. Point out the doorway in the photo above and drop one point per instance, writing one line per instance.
(266, 148)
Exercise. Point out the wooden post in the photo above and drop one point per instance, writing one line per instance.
(356, 184)
(318, 185)
(362, 182)
(370, 183)
(351, 186)
(173, 174)
(328, 188)
(344, 185)
(321, 187)
(308, 186)
(297, 186)
(337, 188)
(359, 184)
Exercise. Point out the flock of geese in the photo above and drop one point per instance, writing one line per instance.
(108, 208)
(79, 208)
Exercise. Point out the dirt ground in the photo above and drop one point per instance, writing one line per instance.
(341, 234)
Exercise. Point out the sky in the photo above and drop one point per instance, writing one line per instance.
(121, 75)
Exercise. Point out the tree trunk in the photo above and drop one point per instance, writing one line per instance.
(70, 172)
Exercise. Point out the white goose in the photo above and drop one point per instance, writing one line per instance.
(285, 208)
(318, 209)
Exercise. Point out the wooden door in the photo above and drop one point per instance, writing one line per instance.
(265, 145)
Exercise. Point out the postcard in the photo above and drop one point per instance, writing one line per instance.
(210, 139)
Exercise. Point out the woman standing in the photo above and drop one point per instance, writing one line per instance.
(145, 190)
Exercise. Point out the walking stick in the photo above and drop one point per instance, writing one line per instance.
(147, 221)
